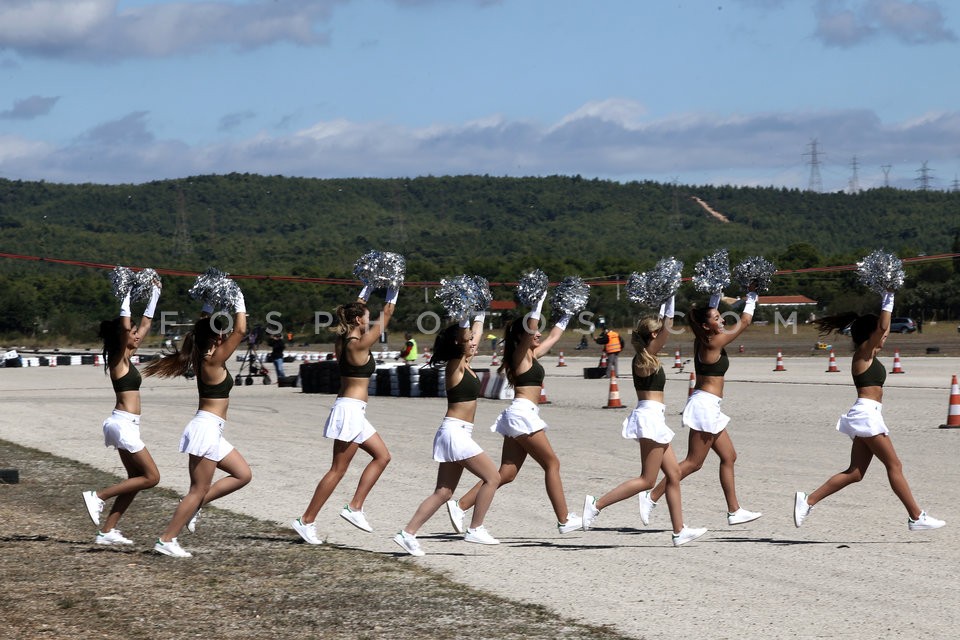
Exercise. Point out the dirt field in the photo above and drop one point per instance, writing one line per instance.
(259, 584)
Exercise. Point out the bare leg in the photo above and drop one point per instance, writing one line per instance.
(860, 457)
(343, 453)
(699, 444)
(651, 455)
(448, 476)
(512, 456)
(538, 446)
(671, 473)
(239, 475)
(142, 474)
(201, 476)
(882, 447)
(482, 466)
(723, 446)
(380, 458)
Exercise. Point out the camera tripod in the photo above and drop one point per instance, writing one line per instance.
(255, 368)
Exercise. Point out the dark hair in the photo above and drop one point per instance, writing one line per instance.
(696, 320)
(861, 327)
(446, 347)
(110, 332)
(512, 335)
(348, 316)
(195, 344)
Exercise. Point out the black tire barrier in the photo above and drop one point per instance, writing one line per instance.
(592, 373)
(9, 476)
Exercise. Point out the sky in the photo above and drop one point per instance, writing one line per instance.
(834, 95)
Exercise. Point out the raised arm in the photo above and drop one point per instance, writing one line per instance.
(746, 319)
(146, 321)
(368, 339)
(875, 341)
(667, 311)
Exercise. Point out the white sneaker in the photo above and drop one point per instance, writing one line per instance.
(192, 525)
(409, 543)
(171, 548)
(924, 523)
(479, 535)
(307, 531)
(646, 507)
(590, 512)
(94, 505)
(741, 516)
(687, 535)
(356, 518)
(573, 523)
(800, 508)
(456, 515)
(112, 537)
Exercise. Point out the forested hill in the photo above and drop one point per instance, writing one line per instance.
(497, 227)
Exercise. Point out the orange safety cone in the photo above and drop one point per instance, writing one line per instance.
(896, 363)
(96, 361)
(603, 360)
(53, 360)
(676, 361)
(953, 411)
(832, 366)
(561, 362)
(780, 366)
(613, 398)
(543, 396)
(493, 361)
(741, 348)
(693, 384)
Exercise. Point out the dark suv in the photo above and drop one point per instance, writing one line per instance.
(902, 325)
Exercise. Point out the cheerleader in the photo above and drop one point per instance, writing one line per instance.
(702, 413)
(122, 429)
(864, 421)
(646, 425)
(453, 446)
(347, 424)
(523, 430)
(206, 350)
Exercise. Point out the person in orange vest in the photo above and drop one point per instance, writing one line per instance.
(612, 346)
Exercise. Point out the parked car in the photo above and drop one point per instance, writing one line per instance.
(902, 325)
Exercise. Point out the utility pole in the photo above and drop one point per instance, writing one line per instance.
(854, 185)
(815, 184)
(924, 178)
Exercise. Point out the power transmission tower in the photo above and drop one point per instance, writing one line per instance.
(886, 174)
(815, 184)
(182, 244)
(924, 178)
(854, 185)
(955, 185)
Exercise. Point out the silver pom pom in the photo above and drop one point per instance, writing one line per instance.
(653, 287)
(756, 271)
(462, 295)
(143, 283)
(532, 287)
(205, 282)
(215, 288)
(569, 297)
(379, 269)
(483, 297)
(881, 271)
(711, 274)
(121, 279)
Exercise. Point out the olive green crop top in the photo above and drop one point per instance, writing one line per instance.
(215, 391)
(532, 377)
(654, 382)
(467, 390)
(874, 376)
(718, 368)
(352, 371)
(130, 381)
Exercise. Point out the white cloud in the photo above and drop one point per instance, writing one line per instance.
(844, 24)
(760, 148)
(97, 30)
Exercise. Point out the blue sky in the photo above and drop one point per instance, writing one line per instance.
(721, 92)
